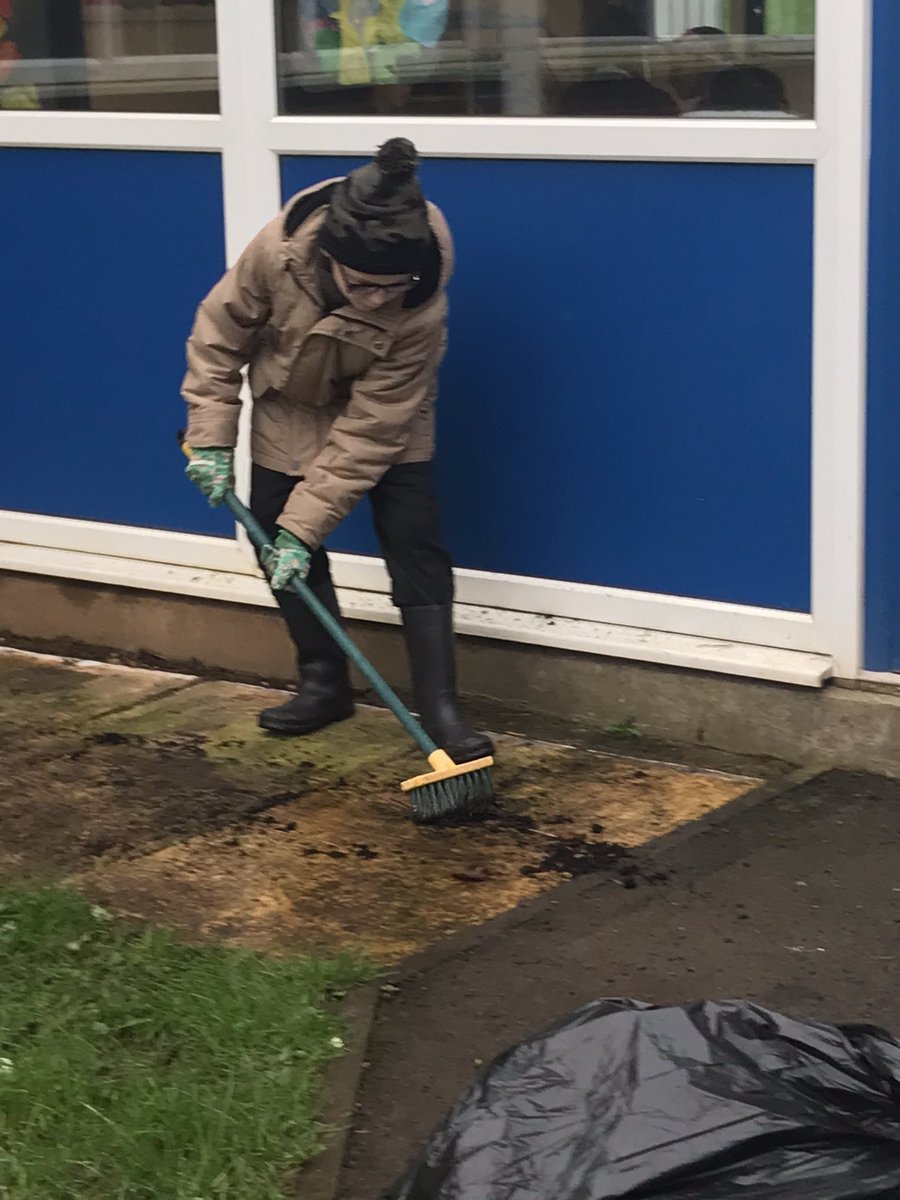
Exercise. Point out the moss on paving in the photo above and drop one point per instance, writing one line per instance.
(371, 749)
(370, 746)
(200, 708)
(62, 697)
(133, 1066)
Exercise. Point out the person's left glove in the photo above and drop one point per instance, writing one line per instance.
(212, 469)
(288, 557)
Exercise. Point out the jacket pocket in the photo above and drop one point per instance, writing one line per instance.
(358, 346)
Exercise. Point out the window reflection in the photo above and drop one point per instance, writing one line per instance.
(108, 55)
(526, 58)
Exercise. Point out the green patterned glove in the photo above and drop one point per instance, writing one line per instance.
(212, 470)
(288, 557)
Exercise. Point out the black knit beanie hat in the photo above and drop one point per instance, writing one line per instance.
(377, 221)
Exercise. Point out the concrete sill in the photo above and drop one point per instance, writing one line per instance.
(561, 633)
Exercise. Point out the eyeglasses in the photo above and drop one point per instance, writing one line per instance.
(353, 288)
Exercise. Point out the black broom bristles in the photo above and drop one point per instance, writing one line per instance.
(462, 797)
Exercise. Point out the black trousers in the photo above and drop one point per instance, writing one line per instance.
(408, 525)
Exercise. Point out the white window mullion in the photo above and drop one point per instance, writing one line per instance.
(843, 101)
(248, 101)
(250, 176)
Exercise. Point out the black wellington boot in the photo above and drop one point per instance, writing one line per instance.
(432, 662)
(325, 695)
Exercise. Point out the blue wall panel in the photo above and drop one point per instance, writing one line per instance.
(883, 486)
(106, 255)
(627, 396)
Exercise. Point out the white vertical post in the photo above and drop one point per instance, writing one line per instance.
(248, 96)
(673, 17)
(103, 31)
(843, 102)
(521, 47)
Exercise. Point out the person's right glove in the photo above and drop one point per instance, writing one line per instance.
(212, 469)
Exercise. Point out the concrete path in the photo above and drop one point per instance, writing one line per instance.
(793, 902)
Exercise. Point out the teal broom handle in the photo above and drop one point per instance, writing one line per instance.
(260, 540)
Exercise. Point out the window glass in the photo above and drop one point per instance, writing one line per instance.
(109, 55)
(527, 58)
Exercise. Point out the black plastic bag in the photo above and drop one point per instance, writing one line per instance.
(706, 1102)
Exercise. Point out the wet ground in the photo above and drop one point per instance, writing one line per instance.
(792, 901)
(158, 795)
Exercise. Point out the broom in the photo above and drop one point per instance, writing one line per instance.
(449, 789)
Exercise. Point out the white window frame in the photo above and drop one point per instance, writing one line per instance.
(250, 136)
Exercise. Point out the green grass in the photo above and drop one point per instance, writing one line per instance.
(133, 1067)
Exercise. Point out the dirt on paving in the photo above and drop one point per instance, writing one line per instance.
(160, 797)
(75, 787)
(52, 754)
(793, 902)
(340, 865)
(119, 795)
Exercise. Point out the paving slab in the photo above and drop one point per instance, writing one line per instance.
(49, 710)
(44, 692)
(161, 796)
(334, 861)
